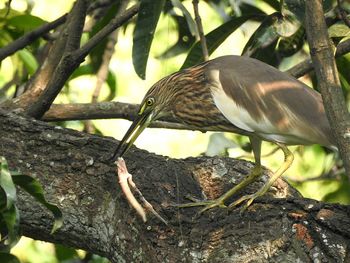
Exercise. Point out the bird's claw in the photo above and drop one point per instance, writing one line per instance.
(207, 205)
(248, 199)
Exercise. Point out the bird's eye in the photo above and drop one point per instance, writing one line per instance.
(149, 101)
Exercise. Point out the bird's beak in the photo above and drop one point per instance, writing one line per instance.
(140, 123)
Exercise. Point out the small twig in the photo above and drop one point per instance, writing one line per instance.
(8, 85)
(343, 13)
(100, 4)
(332, 174)
(30, 37)
(102, 72)
(200, 30)
(96, 10)
(8, 7)
(67, 63)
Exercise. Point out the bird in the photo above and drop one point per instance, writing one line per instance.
(242, 95)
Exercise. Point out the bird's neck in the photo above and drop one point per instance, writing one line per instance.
(192, 102)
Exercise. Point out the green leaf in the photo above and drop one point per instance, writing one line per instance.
(82, 70)
(297, 7)
(96, 54)
(184, 41)
(339, 30)
(33, 187)
(3, 200)
(10, 218)
(288, 46)
(214, 39)
(6, 14)
(249, 9)
(112, 84)
(274, 4)
(8, 258)
(65, 253)
(190, 22)
(5, 38)
(344, 83)
(7, 184)
(265, 35)
(28, 60)
(343, 65)
(25, 22)
(341, 194)
(146, 24)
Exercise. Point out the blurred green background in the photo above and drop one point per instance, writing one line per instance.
(314, 172)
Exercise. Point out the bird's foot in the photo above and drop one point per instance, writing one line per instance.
(209, 204)
(247, 200)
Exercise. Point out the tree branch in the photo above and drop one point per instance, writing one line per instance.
(327, 75)
(76, 25)
(200, 30)
(103, 70)
(306, 66)
(115, 110)
(30, 37)
(109, 28)
(77, 176)
(70, 62)
(39, 81)
(343, 13)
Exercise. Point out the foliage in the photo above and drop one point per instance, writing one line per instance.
(9, 213)
(274, 33)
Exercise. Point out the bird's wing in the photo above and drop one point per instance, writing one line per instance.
(261, 99)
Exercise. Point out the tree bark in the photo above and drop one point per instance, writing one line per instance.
(77, 175)
(322, 55)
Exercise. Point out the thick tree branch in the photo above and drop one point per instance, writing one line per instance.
(328, 80)
(77, 176)
(39, 81)
(30, 37)
(70, 62)
(76, 25)
(114, 110)
(66, 65)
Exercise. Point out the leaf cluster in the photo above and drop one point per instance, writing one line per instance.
(9, 213)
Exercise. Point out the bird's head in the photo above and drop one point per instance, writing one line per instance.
(169, 95)
(154, 105)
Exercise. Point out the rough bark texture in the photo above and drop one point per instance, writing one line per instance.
(77, 176)
(322, 55)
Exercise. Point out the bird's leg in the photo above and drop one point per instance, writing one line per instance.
(219, 202)
(253, 175)
(288, 160)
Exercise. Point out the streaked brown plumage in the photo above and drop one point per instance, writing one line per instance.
(242, 95)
